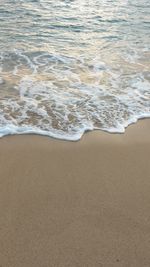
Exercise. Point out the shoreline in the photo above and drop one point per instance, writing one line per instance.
(19, 131)
(84, 203)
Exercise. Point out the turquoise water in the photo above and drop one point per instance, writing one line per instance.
(71, 66)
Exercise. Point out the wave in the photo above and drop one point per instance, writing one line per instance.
(72, 67)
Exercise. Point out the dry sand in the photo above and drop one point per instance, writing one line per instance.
(83, 204)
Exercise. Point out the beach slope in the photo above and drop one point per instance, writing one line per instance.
(76, 204)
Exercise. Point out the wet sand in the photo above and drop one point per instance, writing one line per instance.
(82, 204)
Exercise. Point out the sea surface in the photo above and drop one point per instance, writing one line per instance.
(69, 66)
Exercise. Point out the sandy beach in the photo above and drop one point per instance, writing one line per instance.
(76, 204)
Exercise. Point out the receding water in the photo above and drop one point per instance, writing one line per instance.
(71, 66)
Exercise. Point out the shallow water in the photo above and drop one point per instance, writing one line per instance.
(71, 66)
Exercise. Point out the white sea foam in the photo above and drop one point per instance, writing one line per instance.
(44, 107)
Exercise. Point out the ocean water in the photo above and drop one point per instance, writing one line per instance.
(68, 66)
